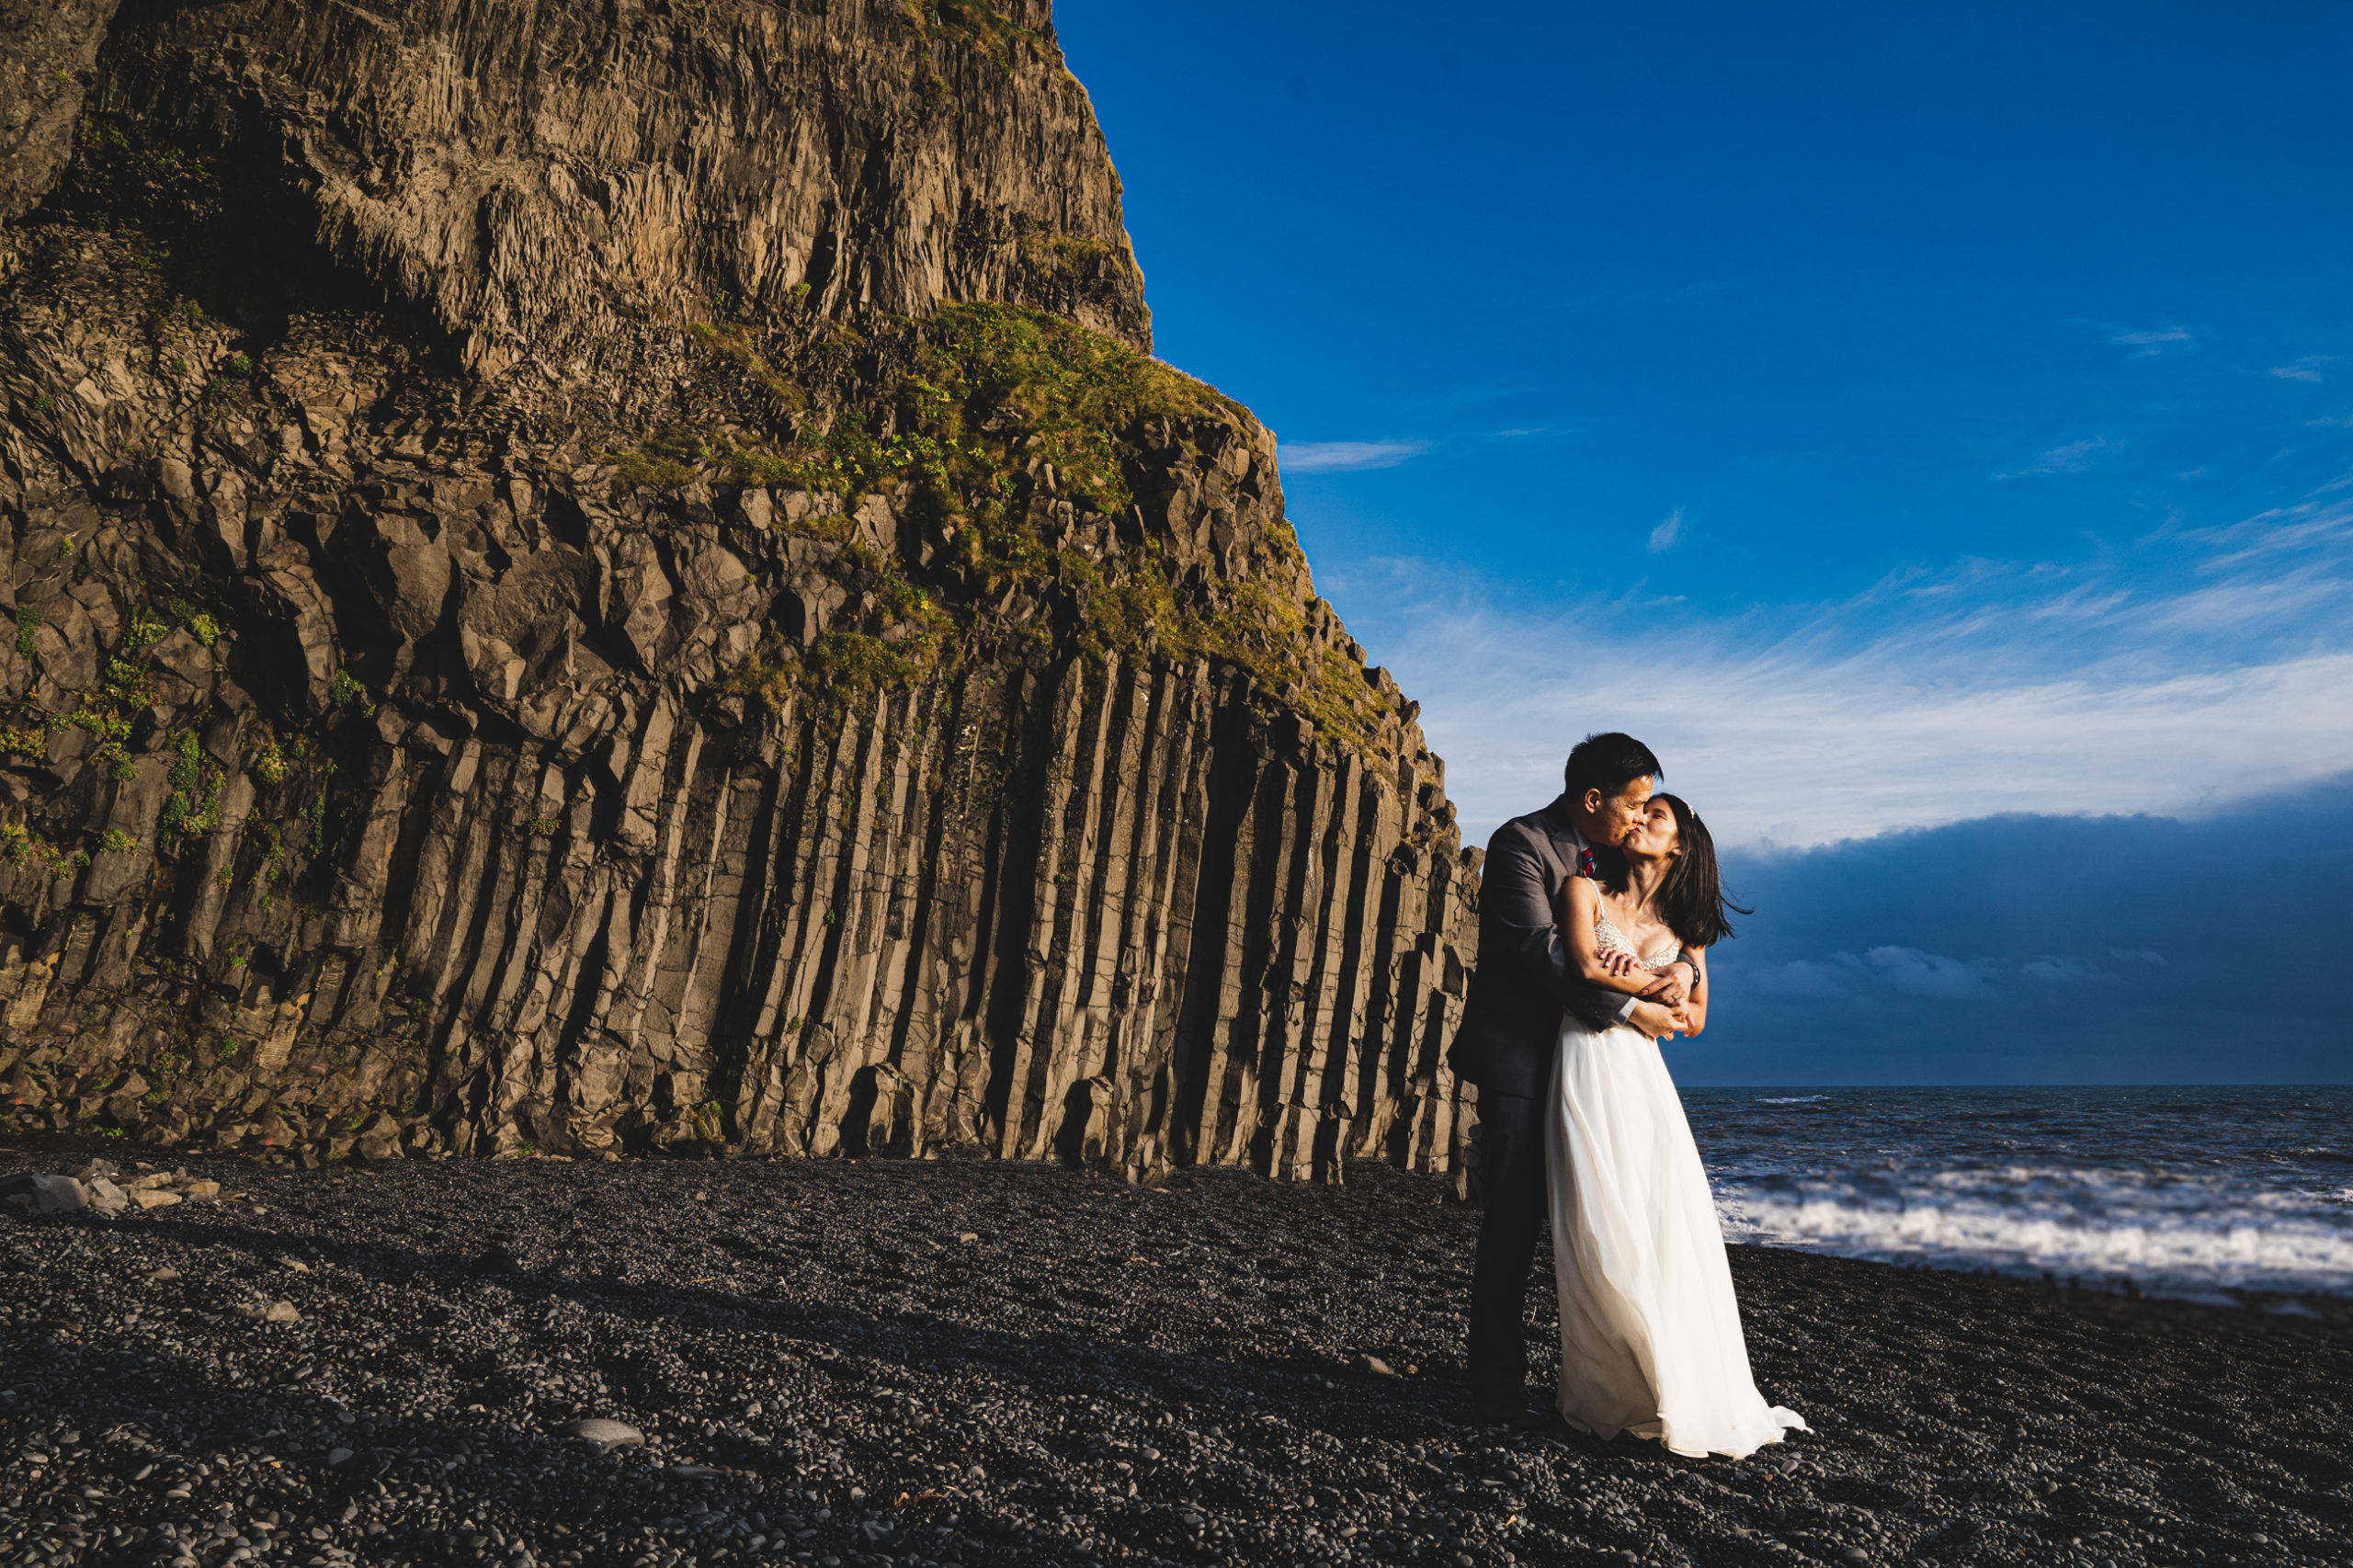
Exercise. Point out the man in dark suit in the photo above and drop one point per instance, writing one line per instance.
(1511, 1025)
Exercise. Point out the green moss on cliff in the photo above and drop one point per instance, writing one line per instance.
(1244, 625)
(978, 25)
(962, 416)
(967, 402)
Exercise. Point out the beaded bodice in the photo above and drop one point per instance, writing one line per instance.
(1608, 938)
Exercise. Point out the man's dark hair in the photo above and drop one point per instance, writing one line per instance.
(1607, 763)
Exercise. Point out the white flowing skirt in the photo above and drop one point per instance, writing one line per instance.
(1650, 1334)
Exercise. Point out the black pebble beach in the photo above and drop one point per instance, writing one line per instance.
(976, 1363)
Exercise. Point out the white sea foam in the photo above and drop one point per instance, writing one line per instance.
(2187, 1191)
(2277, 1251)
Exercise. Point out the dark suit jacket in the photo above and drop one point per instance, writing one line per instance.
(1511, 1020)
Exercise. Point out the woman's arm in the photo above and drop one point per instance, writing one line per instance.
(1695, 1006)
(1580, 902)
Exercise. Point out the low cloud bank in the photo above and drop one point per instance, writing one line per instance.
(2046, 950)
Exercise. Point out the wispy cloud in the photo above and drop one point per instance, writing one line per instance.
(1665, 537)
(2152, 341)
(2304, 369)
(1348, 457)
(2343, 420)
(2072, 458)
(1988, 688)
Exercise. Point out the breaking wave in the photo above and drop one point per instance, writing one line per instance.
(2182, 1192)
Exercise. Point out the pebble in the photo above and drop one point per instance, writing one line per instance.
(799, 1371)
(611, 1434)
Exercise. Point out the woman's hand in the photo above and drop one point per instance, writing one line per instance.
(1674, 985)
(1668, 990)
(1618, 963)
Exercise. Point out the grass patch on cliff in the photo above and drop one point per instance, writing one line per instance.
(990, 370)
(1242, 624)
(911, 639)
(978, 25)
(961, 395)
(960, 415)
(968, 402)
(740, 343)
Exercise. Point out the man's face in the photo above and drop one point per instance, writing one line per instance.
(1622, 813)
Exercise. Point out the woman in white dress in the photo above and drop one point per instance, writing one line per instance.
(1650, 1334)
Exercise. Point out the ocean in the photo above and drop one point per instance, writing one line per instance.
(2196, 1193)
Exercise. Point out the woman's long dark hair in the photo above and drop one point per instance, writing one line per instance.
(1691, 899)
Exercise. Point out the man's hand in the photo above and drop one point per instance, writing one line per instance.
(1654, 1020)
(1617, 961)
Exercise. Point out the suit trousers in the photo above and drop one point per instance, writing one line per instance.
(1518, 1202)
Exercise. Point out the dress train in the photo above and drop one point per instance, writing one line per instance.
(1651, 1339)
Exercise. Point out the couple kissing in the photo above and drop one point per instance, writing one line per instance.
(1595, 917)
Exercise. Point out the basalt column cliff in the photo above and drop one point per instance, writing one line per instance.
(606, 575)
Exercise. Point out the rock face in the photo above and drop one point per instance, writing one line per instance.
(590, 577)
(49, 47)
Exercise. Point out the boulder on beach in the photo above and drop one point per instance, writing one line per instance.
(34, 1192)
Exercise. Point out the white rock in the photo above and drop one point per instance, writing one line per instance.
(611, 1434)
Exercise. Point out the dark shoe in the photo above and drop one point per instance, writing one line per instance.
(1499, 1407)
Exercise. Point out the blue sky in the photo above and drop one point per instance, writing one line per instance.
(1931, 427)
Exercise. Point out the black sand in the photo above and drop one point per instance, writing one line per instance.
(827, 1374)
